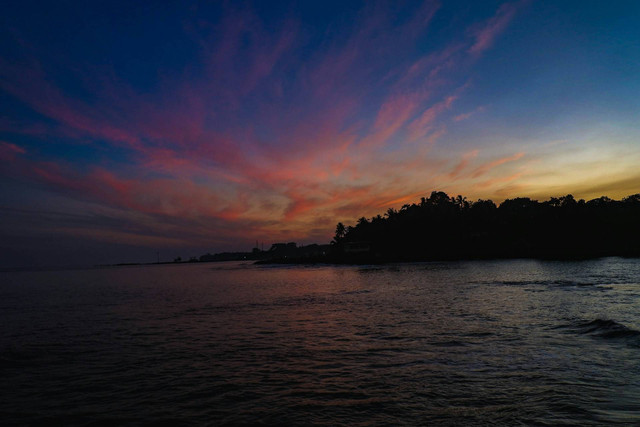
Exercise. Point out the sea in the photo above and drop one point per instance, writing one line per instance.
(505, 342)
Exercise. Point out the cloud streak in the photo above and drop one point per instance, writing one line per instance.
(269, 131)
(486, 34)
(489, 166)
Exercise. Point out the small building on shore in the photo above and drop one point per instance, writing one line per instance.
(357, 248)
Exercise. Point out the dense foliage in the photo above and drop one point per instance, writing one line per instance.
(443, 227)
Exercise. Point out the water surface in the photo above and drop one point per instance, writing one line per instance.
(487, 342)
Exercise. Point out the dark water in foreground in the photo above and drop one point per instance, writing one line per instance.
(460, 343)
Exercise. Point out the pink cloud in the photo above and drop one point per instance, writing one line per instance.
(392, 115)
(27, 83)
(487, 33)
(9, 151)
(193, 152)
(465, 116)
(431, 65)
(424, 124)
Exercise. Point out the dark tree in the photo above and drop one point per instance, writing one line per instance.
(340, 232)
(443, 227)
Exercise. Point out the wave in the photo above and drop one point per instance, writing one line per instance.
(550, 283)
(358, 292)
(607, 329)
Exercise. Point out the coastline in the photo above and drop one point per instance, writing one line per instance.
(379, 260)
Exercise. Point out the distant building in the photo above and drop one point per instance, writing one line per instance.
(279, 247)
(357, 247)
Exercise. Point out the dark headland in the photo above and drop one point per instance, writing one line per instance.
(440, 227)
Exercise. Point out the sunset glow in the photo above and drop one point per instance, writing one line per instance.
(185, 129)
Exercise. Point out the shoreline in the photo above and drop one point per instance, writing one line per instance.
(329, 260)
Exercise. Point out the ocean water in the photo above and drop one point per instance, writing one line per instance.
(517, 342)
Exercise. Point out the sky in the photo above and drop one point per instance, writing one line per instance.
(129, 129)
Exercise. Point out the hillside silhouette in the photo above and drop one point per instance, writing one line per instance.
(441, 227)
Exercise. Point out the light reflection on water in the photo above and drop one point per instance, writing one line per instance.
(499, 342)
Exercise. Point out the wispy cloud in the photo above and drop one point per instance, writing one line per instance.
(258, 135)
(425, 122)
(463, 163)
(488, 166)
(465, 116)
(485, 35)
(9, 151)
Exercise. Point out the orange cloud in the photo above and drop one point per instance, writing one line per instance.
(499, 180)
(463, 163)
(486, 167)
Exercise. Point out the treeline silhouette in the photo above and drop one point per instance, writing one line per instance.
(443, 227)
